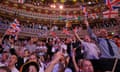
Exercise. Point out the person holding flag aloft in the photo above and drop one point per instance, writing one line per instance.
(13, 29)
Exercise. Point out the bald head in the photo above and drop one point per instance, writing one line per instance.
(103, 33)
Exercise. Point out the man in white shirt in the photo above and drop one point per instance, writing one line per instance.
(90, 49)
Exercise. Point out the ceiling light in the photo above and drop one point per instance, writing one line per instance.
(61, 6)
(53, 6)
(89, 2)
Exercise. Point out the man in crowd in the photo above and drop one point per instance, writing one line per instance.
(108, 47)
(12, 62)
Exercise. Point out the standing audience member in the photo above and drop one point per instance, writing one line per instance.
(26, 55)
(4, 69)
(30, 67)
(91, 51)
(4, 59)
(58, 56)
(30, 45)
(117, 40)
(12, 62)
(35, 58)
(108, 47)
(83, 65)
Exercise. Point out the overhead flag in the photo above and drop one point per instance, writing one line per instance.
(110, 13)
(117, 5)
(65, 31)
(14, 28)
(112, 3)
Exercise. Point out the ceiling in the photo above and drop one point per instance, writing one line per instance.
(71, 7)
(66, 3)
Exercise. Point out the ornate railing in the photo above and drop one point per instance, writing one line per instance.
(28, 14)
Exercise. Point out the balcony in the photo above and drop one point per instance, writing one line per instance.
(30, 32)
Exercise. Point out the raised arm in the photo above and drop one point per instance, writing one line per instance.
(56, 59)
(90, 32)
(74, 61)
(77, 36)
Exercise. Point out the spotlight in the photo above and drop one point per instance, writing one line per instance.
(89, 2)
(61, 6)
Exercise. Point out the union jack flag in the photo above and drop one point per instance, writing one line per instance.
(112, 4)
(14, 28)
(110, 13)
(65, 31)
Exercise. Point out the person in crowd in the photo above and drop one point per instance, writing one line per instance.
(49, 44)
(35, 58)
(11, 63)
(4, 69)
(83, 65)
(91, 51)
(117, 40)
(26, 55)
(57, 57)
(4, 59)
(30, 66)
(41, 48)
(62, 65)
(30, 45)
(20, 55)
(1, 46)
(68, 42)
(108, 47)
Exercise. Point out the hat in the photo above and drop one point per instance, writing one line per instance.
(26, 66)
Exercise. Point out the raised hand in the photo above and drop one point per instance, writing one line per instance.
(58, 56)
(73, 52)
(75, 30)
(86, 22)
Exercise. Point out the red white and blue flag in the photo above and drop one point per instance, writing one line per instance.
(14, 28)
(112, 4)
(65, 31)
(110, 13)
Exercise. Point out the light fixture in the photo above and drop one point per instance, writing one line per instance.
(61, 6)
(53, 6)
(89, 2)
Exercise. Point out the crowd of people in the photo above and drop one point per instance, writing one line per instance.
(107, 23)
(72, 54)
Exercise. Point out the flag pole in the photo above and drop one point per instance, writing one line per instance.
(3, 36)
(115, 64)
